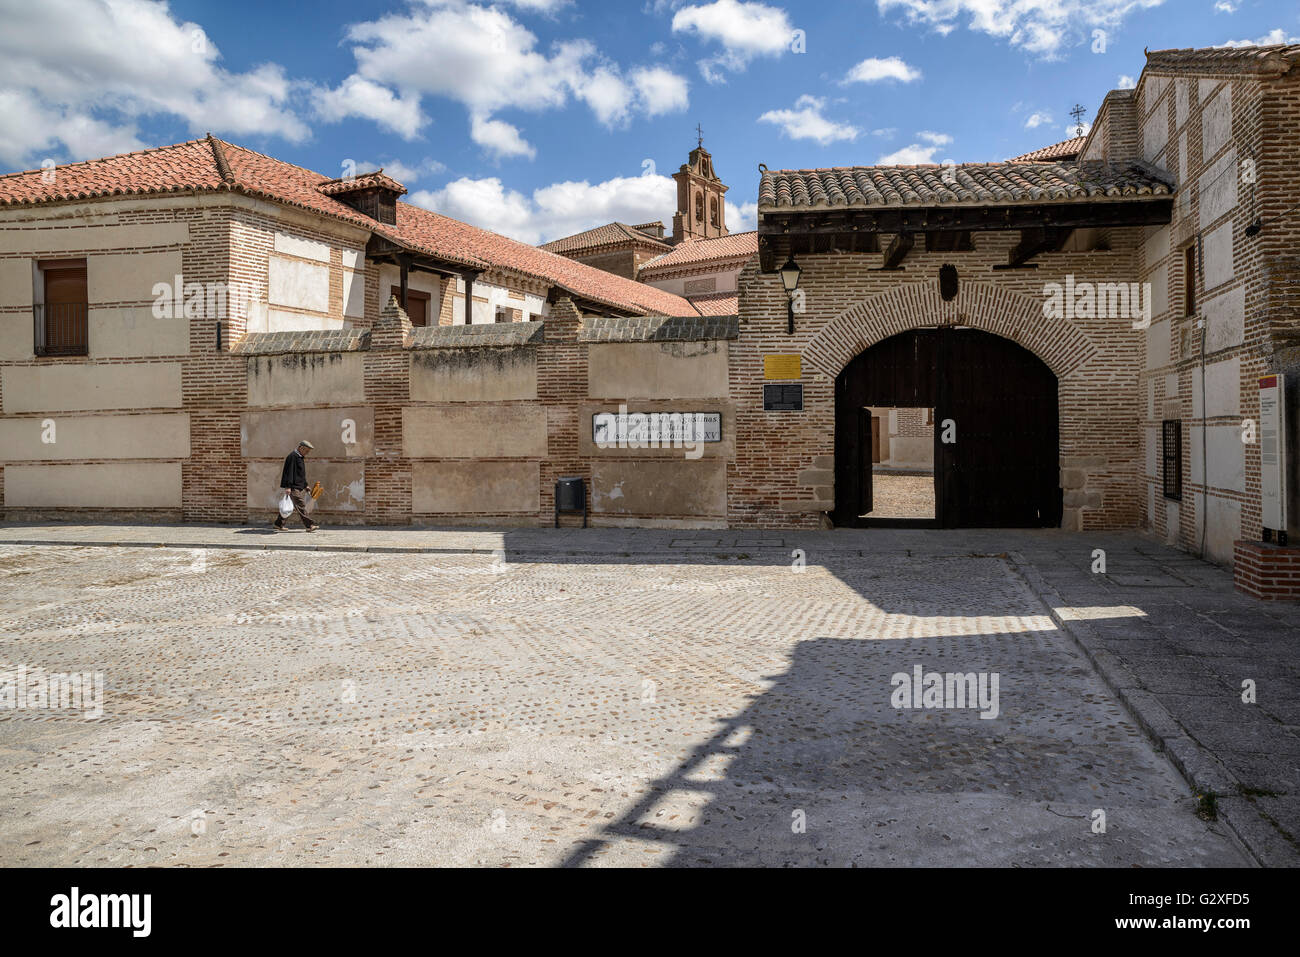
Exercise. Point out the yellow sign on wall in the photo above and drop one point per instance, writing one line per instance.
(781, 366)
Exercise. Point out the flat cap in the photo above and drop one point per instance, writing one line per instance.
(306, 445)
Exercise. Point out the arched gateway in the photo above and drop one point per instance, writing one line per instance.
(995, 427)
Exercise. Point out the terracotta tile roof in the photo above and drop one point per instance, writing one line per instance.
(868, 187)
(695, 251)
(1277, 59)
(611, 234)
(164, 169)
(717, 304)
(435, 233)
(1064, 150)
(332, 187)
(210, 164)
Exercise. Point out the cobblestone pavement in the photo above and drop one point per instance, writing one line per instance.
(668, 699)
(902, 495)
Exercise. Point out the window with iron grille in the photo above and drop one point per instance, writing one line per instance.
(1171, 453)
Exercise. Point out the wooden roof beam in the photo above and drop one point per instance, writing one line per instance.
(898, 249)
(1033, 241)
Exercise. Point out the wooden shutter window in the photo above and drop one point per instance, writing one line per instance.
(61, 319)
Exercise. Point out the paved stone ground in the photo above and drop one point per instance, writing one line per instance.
(902, 495)
(581, 698)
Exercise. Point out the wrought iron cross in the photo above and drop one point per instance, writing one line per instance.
(699, 130)
(1078, 113)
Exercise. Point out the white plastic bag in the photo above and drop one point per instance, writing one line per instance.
(286, 505)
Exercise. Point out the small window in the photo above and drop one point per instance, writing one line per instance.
(417, 305)
(713, 211)
(1171, 455)
(699, 207)
(1189, 281)
(60, 313)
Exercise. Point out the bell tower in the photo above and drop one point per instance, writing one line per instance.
(701, 197)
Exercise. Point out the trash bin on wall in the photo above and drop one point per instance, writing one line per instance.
(571, 496)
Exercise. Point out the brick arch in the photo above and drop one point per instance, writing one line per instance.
(980, 305)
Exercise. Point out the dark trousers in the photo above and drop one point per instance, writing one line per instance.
(299, 509)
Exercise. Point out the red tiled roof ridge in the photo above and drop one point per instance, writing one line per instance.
(1065, 149)
(113, 156)
(840, 169)
(266, 156)
(562, 264)
(629, 232)
(691, 253)
(714, 239)
(374, 177)
(1247, 50)
(193, 167)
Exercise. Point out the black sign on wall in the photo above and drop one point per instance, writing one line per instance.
(783, 398)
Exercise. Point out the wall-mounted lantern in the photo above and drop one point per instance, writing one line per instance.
(790, 274)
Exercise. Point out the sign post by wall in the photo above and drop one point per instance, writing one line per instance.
(1272, 455)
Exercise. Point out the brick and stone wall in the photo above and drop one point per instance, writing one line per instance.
(1267, 571)
(784, 458)
(1230, 140)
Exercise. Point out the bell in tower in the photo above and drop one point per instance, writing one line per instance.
(701, 198)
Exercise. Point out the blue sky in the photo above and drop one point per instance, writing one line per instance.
(538, 118)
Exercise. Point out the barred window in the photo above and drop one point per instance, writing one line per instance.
(1171, 454)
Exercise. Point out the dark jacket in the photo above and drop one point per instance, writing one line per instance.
(294, 475)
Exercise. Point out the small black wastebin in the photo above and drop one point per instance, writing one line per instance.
(571, 496)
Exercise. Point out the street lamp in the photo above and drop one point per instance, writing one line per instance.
(790, 273)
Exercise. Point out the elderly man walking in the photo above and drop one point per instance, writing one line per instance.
(294, 481)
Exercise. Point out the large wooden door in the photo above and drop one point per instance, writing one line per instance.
(994, 400)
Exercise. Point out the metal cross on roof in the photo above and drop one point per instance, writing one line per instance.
(699, 131)
(1078, 113)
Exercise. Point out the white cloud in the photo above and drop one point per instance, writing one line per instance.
(357, 96)
(660, 91)
(1272, 38)
(539, 6)
(1127, 82)
(1226, 6)
(744, 30)
(560, 209)
(499, 138)
(807, 122)
(917, 154)
(488, 61)
(1072, 131)
(607, 95)
(1037, 119)
(742, 218)
(1041, 27)
(875, 69)
(78, 77)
